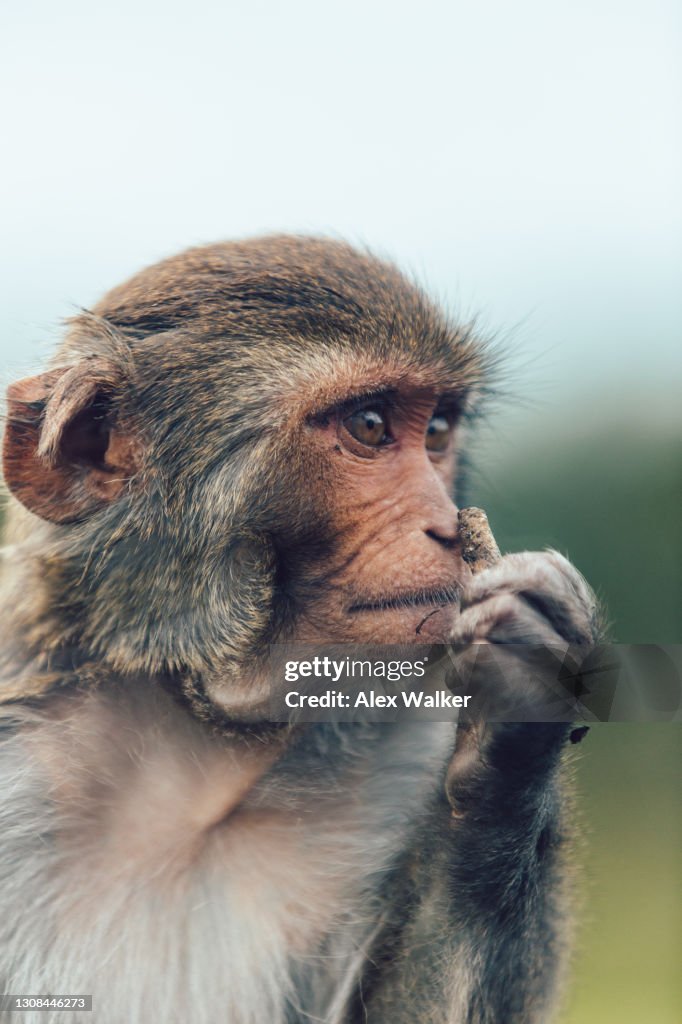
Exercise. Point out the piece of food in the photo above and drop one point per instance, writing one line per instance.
(479, 548)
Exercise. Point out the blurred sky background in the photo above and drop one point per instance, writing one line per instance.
(523, 159)
(525, 162)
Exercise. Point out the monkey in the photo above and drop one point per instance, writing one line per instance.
(247, 444)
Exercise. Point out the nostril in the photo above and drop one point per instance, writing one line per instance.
(442, 538)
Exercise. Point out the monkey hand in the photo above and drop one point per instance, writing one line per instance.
(530, 598)
(531, 608)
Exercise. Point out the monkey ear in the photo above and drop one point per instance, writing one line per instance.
(63, 455)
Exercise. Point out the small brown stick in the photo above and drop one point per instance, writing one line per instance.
(479, 551)
(479, 548)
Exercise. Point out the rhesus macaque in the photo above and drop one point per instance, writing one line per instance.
(250, 443)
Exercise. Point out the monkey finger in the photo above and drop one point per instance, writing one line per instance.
(504, 618)
(547, 582)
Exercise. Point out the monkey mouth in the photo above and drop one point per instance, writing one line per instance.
(411, 599)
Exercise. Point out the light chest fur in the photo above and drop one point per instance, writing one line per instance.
(228, 885)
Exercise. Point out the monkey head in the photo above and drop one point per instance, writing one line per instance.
(247, 443)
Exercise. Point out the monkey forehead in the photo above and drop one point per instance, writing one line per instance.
(293, 284)
(304, 321)
(281, 289)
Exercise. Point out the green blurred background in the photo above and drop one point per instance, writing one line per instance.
(611, 501)
(522, 160)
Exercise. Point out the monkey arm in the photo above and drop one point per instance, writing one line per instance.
(480, 908)
(505, 785)
(505, 873)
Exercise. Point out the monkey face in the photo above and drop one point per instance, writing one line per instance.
(390, 569)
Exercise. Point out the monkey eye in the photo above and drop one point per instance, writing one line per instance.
(438, 434)
(367, 426)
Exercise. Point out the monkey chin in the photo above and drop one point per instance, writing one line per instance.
(422, 624)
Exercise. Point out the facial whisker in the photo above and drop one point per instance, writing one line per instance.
(412, 599)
